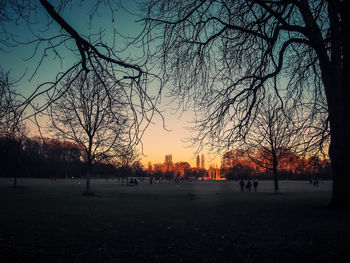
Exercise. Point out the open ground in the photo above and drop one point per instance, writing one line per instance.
(51, 221)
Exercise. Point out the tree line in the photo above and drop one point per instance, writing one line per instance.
(52, 158)
(238, 164)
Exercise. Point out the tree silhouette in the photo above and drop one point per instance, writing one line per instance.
(44, 27)
(12, 128)
(273, 133)
(127, 154)
(224, 55)
(182, 168)
(10, 117)
(92, 113)
(237, 165)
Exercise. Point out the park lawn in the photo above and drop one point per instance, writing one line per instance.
(51, 221)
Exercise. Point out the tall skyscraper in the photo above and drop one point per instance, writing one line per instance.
(202, 162)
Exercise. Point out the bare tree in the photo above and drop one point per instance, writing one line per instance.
(226, 54)
(91, 113)
(274, 132)
(236, 164)
(127, 154)
(12, 128)
(9, 116)
(44, 26)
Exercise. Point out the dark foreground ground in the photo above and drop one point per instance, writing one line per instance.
(191, 222)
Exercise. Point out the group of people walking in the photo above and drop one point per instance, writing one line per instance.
(248, 186)
(132, 182)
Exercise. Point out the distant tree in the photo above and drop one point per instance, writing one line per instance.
(273, 133)
(236, 164)
(12, 128)
(45, 28)
(92, 114)
(291, 161)
(10, 114)
(159, 170)
(58, 154)
(137, 165)
(39, 157)
(232, 157)
(127, 155)
(150, 172)
(225, 55)
(138, 169)
(182, 168)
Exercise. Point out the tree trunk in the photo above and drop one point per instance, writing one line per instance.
(335, 73)
(339, 118)
(89, 167)
(88, 181)
(274, 169)
(339, 152)
(17, 169)
(341, 182)
(15, 181)
(88, 174)
(275, 178)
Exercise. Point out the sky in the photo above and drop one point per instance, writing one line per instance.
(157, 142)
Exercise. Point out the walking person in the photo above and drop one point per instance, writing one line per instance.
(255, 184)
(249, 185)
(242, 184)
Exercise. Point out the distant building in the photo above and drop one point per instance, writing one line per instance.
(202, 162)
(214, 173)
(198, 162)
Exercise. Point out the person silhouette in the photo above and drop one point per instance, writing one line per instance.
(242, 184)
(249, 185)
(255, 184)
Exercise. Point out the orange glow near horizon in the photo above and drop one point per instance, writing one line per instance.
(158, 142)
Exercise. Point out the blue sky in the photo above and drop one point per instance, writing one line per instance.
(157, 142)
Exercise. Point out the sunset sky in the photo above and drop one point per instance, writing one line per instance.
(157, 142)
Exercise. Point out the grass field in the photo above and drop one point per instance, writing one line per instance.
(50, 221)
